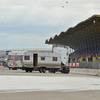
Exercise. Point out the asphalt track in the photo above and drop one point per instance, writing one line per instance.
(19, 85)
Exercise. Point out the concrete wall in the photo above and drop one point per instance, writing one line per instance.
(85, 71)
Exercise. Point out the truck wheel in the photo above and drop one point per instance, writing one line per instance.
(67, 72)
(26, 70)
(40, 70)
(30, 71)
(9, 68)
(43, 70)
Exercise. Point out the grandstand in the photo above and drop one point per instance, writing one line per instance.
(84, 38)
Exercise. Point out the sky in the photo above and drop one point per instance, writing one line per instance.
(28, 23)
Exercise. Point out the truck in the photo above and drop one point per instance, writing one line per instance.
(53, 61)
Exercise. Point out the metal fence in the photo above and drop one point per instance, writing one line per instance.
(88, 65)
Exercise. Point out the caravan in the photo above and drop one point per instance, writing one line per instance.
(15, 59)
(40, 61)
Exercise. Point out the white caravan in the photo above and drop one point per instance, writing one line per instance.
(41, 61)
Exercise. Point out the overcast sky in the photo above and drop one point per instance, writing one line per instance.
(28, 23)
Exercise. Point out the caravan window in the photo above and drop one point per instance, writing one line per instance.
(42, 58)
(9, 57)
(14, 57)
(26, 57)
(54, 58)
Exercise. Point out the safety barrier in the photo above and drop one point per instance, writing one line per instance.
(89, 68)
(1, 66)
(73, 65)
(89, 65)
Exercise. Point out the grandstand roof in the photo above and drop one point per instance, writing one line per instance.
(79, 34)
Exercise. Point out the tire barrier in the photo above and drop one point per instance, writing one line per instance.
(88, 65)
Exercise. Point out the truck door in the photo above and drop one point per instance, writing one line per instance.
(35, 60)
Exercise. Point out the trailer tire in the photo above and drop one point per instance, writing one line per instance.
(14, 68)
(49, 71)
(54, 71)
(26, 70)
(40, 70)
(43, 70)
(9, 68)
(30, 71)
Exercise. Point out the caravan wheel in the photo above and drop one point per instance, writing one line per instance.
(9, 68)
(26, 70)
(30, 71)
(49, 71)
(43, 70)
(40, 70)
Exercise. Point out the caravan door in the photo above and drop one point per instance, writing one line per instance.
(35, 60)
